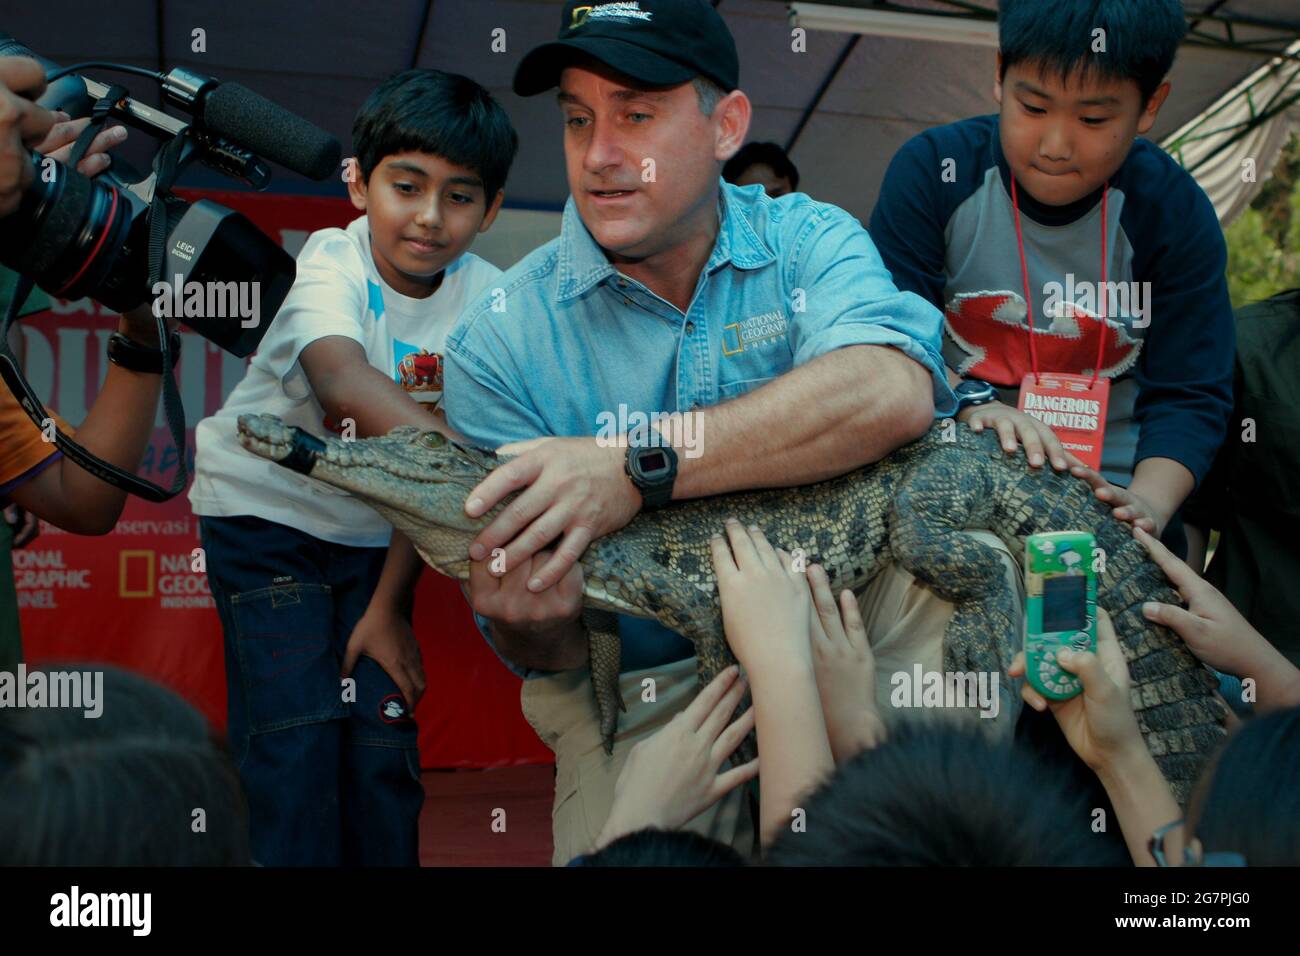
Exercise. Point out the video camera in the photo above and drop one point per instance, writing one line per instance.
(122, 237)
(80, 237)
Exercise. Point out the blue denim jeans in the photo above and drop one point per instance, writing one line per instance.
(332, 778)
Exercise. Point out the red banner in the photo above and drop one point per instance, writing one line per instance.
(134, 598)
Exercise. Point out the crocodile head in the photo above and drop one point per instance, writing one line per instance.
(418, 480)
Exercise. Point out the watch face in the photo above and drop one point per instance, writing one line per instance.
(652, 462)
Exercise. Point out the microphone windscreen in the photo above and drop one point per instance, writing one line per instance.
(254, 122)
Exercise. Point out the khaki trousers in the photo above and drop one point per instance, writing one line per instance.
(905, 626)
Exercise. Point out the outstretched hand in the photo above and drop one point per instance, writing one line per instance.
(765, 603)
(845, 669)
(1216, 632)
(1125, 504)
(672, 776)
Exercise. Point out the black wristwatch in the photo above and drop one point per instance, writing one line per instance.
(653, 469)
(972, 391)
(130, 354)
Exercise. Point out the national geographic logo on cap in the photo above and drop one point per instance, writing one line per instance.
(609, 11)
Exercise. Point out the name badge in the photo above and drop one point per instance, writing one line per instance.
(1071, 408)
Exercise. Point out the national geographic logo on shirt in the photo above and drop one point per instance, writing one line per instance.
(609, 11)
(754, 332)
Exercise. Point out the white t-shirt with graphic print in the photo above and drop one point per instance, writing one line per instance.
(338, 291)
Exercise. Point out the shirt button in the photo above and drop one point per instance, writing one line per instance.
(690, 327)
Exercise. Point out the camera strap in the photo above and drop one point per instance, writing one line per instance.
(11, 371)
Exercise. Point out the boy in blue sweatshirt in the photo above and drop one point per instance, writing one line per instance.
(1055, 202)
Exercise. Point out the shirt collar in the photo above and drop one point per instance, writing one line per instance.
(582, 263)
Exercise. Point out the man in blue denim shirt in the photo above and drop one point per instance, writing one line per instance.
(774, 324)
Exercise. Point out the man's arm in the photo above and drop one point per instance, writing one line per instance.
(877, 382)
(815, 422)
(840, 411)
(828, 425)
(117, 428)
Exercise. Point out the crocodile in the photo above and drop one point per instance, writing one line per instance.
(911, 507)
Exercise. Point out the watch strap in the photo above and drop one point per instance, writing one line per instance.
(126, 352)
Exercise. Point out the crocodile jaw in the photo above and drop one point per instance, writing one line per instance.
(413, 484)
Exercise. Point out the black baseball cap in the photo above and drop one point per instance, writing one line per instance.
(657, 42)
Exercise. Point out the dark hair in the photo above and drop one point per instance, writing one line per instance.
(767, 154)
(445, 114)
(1141, 38)
(653, 847)
(942, 795)
(119, 789)
(1249, 800)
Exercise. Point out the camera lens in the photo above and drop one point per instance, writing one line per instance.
(67, 233)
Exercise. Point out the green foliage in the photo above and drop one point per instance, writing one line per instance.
(1264, 242)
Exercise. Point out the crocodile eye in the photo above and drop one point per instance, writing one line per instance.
(433, 439)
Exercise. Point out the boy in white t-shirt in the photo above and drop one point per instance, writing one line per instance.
(332, 770)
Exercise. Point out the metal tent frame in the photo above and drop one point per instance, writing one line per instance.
(1216, 26)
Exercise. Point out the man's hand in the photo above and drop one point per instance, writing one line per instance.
(537, 630)
(1014, 426)
(672, 776)
(141, 325)
(1099, 723)
(58, 143)
(387, 638)
(576, 491)
(765, 604)
(845, 669)
(23, 124)
(25, 524)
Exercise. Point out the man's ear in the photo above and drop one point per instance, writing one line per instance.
(997, 80)
(732, 116)
(493, 208)
(356, 184)
(1149, 112)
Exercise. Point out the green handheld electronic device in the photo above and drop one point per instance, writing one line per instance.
(1060, 608)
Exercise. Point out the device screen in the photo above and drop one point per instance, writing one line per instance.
(655, 461)
(1065, 603)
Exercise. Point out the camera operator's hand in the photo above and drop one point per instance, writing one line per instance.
(23, 124)
(61, 137)
(141, 326)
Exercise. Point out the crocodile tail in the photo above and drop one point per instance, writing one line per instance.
(605, 649)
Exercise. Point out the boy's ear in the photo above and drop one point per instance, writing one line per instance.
(356, 184)
(493, 208)
(1148, 117)
(997, 79)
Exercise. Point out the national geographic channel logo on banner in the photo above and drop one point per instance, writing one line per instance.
(171, 578)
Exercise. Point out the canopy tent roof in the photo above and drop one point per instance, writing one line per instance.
(844, 105)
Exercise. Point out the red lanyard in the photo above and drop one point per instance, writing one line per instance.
(1029, 302)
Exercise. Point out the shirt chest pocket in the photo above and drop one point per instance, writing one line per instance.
(753, 353)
